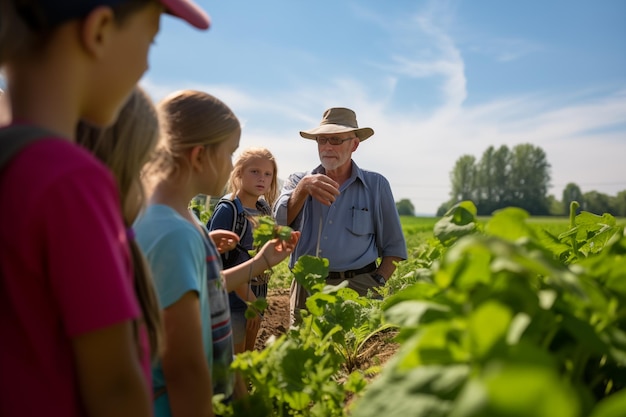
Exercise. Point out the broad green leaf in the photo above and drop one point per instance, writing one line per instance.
(468, 263)
(442, 343)
(612, 406)
(488, 326)
(587, 221)
(310, 270)
(510, 224)
(554, 244)
(571, 232)
(446, 231)
(267, 229)
(518, 391)
(427, 391)
(459, 221)
(264, 231)
(599, 239)
(417, 291)
(412, 313)
(461, 210)
(443, 278)
(317, 302)
(526, 353)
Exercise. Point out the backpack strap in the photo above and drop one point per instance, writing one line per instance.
(15, 138)
(239, 224)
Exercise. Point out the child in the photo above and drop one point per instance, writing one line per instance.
(199, 136)
(67, 305)
(125, 147)
(254, 175)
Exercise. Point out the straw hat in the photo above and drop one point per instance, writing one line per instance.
(338, 120)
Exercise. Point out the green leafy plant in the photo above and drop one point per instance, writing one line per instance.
(200, 210)
(495, 319)
(350, 321)
(506, 325)
(301, 373)
(267, 229)
(458, 221)
(588, 234)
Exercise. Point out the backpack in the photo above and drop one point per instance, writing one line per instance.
(239, 226)
(13, 139)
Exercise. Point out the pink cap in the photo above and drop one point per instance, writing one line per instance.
(188, 11)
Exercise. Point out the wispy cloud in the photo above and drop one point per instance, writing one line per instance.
(504, 50)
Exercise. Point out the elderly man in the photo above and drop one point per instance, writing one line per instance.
(345, 213)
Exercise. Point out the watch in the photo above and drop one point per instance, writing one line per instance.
(379, 278)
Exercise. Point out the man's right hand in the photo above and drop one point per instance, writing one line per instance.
(321, 187)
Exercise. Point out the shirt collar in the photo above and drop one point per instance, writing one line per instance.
(357, 173)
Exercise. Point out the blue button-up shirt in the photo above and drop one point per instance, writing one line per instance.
(361, 225)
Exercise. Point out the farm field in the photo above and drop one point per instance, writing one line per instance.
(417, 231)
(458, 319)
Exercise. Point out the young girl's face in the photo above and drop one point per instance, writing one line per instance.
(257, 176)
(112, 81)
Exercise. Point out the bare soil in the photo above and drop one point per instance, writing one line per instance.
(276, 318)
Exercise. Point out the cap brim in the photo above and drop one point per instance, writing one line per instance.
(189, 12)
(363, 132)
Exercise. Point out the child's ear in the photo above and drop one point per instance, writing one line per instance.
(96, 29)
(198, 157)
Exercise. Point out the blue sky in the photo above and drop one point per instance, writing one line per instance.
(436, 80)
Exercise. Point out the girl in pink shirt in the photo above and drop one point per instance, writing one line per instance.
(67, 305)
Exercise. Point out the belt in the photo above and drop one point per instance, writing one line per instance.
(353, 272)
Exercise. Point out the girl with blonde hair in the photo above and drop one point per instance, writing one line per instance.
(125, 148)
(252, 187)
(199, 135)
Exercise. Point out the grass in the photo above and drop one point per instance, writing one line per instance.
(417, 230)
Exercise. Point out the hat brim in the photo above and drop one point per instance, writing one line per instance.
(188, 11)
(362, 133)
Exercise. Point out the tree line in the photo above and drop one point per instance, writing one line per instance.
(520, 177)
(592, 201)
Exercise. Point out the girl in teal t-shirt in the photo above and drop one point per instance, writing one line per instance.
(199, 134)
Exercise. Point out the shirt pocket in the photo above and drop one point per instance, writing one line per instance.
(362, 223)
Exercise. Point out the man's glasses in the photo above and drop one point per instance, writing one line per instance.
(333, 141)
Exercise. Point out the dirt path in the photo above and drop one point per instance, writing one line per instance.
(276, 319)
